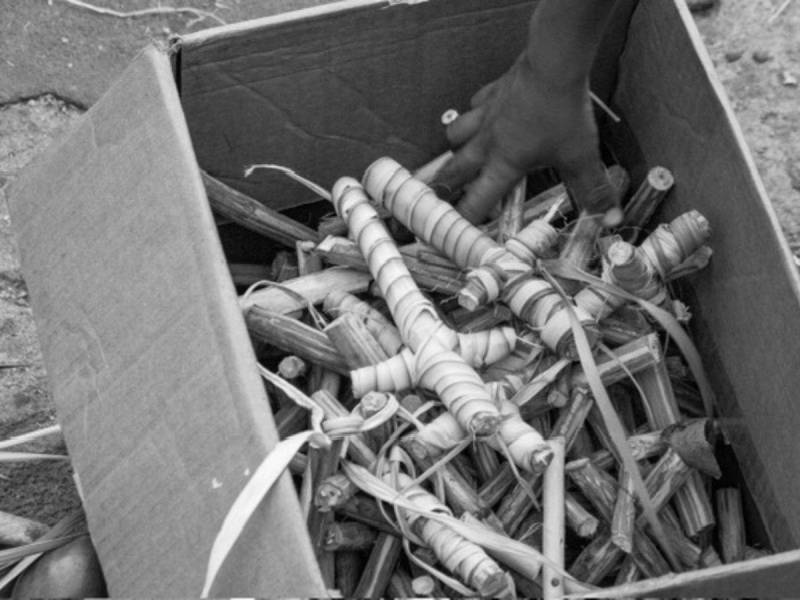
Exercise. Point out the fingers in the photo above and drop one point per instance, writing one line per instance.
(464, 128)
(460, 169)
(587, 182)
(495, 181)
(483, 95)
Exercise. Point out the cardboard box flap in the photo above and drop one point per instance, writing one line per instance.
(747, 303)
(151, 366)
(331, 89)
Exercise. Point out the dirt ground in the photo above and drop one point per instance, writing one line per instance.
(758, 62)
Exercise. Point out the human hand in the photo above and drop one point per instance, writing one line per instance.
(526, 119)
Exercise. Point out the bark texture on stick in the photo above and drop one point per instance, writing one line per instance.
(646, 199)
(308, 289)
(379, 568)
(251, 214)
(731, 524)
(338, 303)
(293, 336)
(357, 345)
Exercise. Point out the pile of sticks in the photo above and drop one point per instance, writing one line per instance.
(470, 455)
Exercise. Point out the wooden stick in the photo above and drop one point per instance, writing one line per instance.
(349, 535)
(399, 585)
(485, 317)
(583, 445)
(647, 556)
(365, 510)
(385, 333)
(284, 267)
(692, 501)
(639, 354)
(559, 393)
(323, 462)
(579, 249)
(428, 254)
(380, 566)
(355, 343)
(511, 216)
(486, 462)
(531, 530)
(538, 239)
(687, 552)
(292, 367)
(333, 492)
(515, 506)
(666, 477)
(537, 206)
(18, 531)
(596, 560)
(340, 251)
(308, 289)
(710, 558)
(730, 519)
(617, 331)
(572, 417)
(623, 519)
(495, 488)
(596, 486)
(628, 573)
(643, 445)
(461, 497)
(307, 261)
(349, 566)
(579, 520)
(290, 335)
(553, 531)
(370, 405)
(252, 214)
(645, 200)
(423, 586)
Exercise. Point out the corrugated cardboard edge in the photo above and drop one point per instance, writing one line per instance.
(28, 202)
(216, 33)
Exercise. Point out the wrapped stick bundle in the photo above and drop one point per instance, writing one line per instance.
(486, 385)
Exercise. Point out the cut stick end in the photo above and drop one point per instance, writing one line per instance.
(623, 542)
(660, 178)
(541, 458)
(473, 296)
(494, 585)
(588, 528)
(485, 423)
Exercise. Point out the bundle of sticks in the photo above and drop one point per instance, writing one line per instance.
(472, 455)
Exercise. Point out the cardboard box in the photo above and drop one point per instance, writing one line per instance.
(150, 363)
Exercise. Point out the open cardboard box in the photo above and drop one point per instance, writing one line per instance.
(150, 363)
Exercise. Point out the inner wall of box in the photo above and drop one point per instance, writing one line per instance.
(328, 95)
